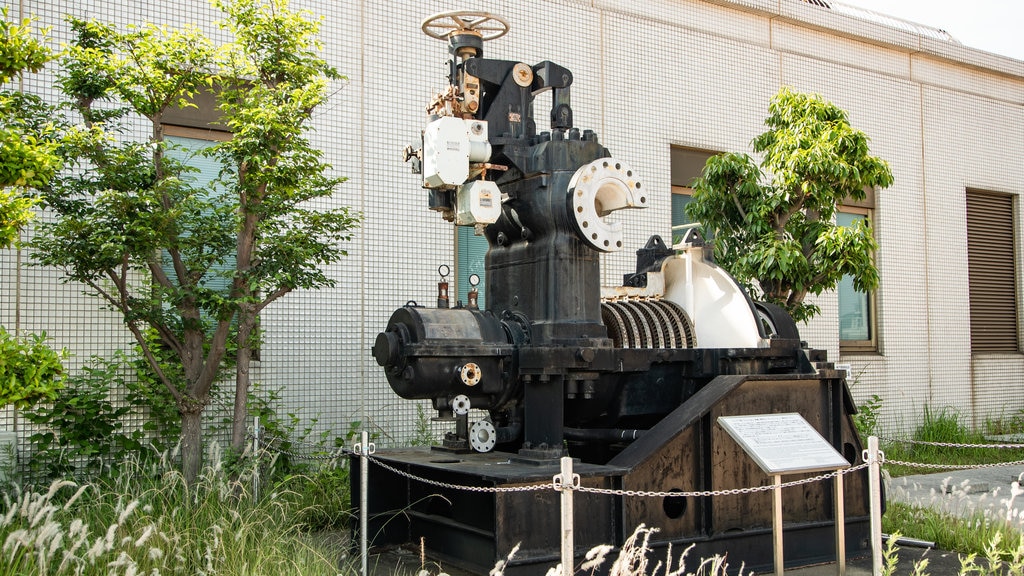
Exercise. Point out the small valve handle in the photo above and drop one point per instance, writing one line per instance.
(442, 286)
(473, 296)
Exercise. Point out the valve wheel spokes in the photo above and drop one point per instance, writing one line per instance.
(486, 25)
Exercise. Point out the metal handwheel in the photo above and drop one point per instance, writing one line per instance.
(483, 24)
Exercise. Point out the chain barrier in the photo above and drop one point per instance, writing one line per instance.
(727, 492)
(954, 466)
(556, 483)
(951, 444)
(267, 444)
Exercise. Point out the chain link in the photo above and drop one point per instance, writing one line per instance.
(268, 445)
(410, 476)
(558, 486)
(952, 444)
(556, 483)
(954, 466)
(728, 492)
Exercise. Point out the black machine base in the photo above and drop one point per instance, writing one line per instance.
(474, 530)
(435, 497)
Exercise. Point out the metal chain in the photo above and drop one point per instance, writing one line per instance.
(267, 445)
(952, 444)
(613, 492)
(728, 492)
(529, 488)
(343, 452)
(555, 485)
(954, 466)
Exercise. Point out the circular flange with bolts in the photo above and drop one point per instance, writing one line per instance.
(483, 24)
(598, 189)
(460, 404)
(470, 374)
(482, 436)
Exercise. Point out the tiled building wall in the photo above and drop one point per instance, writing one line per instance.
(647, 76)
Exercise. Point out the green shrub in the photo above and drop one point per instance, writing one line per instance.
(866, 418)
(82, 430)
(30, 371)
(325, 502)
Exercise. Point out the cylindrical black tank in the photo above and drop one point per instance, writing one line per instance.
(436, 353)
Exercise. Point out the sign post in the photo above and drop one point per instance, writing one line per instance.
(788, 444)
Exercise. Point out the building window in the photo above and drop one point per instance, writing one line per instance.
(186, 145)
(687, 166)
(857, 317)
(681, 196)
(992, 273)
(856, 308)
(470, 254)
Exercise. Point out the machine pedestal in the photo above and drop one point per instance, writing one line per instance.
(686, 451)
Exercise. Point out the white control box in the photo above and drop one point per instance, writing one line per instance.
(449, 146)
(478, 202)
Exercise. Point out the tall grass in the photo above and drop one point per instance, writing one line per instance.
(636, 558)
(146, 520)
(945, 426)
(989, 539)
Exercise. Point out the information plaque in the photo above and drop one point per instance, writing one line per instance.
(783, 443)
(787, 444)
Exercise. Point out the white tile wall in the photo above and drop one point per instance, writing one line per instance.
(648, 75)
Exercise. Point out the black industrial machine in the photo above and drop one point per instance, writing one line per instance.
(627, 380)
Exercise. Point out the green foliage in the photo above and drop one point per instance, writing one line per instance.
(27, 137)
(1003, 424)
(30, 371)
(161, 420)
(988, 536)
(773, 222)
(325, 502)
(19, 51)
(424, 433)
(866, 418)
(133, 225)
(945, 426)
(82, 430)
(145, 519)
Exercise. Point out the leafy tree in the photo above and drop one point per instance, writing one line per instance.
(30, 371)
(27, 147)
(274, 171)
(773, 223)
(135, 228)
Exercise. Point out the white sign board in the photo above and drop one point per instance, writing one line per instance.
(783, 443)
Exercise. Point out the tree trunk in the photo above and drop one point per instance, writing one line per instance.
(191, 442)
(246, 322)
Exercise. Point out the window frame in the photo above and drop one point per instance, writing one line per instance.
(863, 208)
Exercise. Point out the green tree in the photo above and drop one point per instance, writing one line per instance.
(773, 223)
(194, 264)
(30, 371)
(27, 148)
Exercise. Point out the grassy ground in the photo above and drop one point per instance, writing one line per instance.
(993, 538)
(145, 520)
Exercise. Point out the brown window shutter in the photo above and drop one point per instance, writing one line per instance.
(991, 268)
